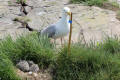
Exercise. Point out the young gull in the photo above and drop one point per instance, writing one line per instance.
(61, 28)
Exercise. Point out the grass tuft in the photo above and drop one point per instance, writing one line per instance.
(90, 2)
(36, 48)
(29, 47)
(111, 45)
(7, 70)
(86, 64)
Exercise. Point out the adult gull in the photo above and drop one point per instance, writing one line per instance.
(60, 28)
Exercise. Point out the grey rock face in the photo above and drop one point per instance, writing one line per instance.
(34, 68)
(23, 65)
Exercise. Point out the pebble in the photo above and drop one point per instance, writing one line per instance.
(35, 74)
(30, 73)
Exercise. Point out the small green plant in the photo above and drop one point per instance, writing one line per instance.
(115, 4)
(90, 2)
(118, 15)
(9, 2)
(23, 19)
(111, 45)
(21, 1)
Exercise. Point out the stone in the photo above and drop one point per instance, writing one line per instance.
(35, 74)
(23, 66)
(34, 68)
(30, 63)
(28, 9)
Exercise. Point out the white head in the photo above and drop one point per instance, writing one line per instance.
(66, 11)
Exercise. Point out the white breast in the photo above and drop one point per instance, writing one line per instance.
(62, 30)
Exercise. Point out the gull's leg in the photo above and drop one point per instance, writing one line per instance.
(53, 41)
(62, 42)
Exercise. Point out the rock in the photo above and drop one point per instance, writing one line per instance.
(23, 65)
(35, 74)
(34, 68)
(28, 9)
(30, 63)
(28, 66)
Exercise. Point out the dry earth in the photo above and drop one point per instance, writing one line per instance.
(92, 22)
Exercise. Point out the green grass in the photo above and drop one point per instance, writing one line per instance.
(90, 2)
(111, 45)
(115, 4)
(7, 70)
(29, 47)
(85, 62)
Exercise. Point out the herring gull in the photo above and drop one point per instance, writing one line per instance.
(60, 28)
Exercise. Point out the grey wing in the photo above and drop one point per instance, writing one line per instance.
(49, 31)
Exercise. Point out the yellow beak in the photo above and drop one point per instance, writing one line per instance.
(69, 13)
